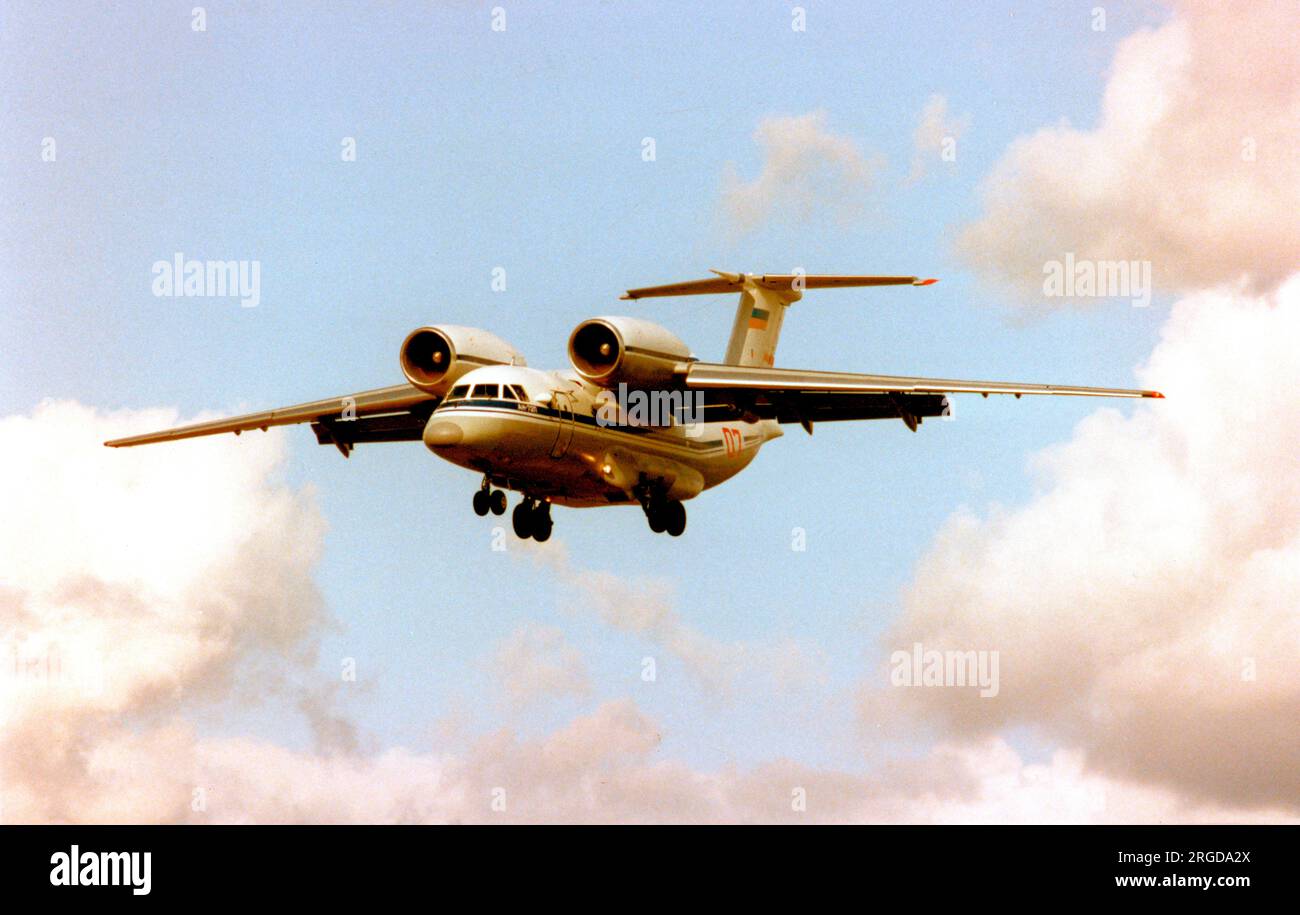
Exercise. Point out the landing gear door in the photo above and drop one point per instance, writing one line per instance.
(564, 410)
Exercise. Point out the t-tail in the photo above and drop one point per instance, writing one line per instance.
(763, 301)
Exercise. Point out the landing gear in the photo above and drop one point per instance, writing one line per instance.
(522, 519)
(488, 499)
(675, 522)
(542, 523)
(664, 514)
(657, 515)
(532, 518)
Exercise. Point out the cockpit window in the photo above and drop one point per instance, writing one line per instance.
(458, 392)
(519, 392)
(491, 391)
(508, 392)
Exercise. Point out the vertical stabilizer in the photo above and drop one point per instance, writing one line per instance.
(757, 326)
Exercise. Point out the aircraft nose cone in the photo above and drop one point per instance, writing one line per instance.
(443, 434)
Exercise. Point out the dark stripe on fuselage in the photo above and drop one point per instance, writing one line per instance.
(514, 406)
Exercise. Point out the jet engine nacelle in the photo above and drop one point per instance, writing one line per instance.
(641, 354)
(434, 357)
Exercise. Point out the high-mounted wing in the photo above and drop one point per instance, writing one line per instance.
(392, 414)
(795, 395)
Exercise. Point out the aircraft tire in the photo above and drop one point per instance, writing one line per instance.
(522, 520)
(481, 499)
(498, 502)
(657, 516)
(675, 522)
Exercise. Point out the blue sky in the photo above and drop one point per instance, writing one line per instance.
(522, 149)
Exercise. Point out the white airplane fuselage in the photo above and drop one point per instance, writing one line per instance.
(554, 445)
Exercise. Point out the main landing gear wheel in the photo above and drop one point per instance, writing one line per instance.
(532, 519)
(675, 518)
(522, 520)
(666, 515)
(541, 521)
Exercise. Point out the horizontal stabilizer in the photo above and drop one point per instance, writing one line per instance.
(734, 282)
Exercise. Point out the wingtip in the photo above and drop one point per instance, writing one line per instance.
(930, 281)
(1155, 394)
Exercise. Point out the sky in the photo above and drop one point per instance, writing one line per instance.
(277, 634)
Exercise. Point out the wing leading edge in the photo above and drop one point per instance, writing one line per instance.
(394, 413)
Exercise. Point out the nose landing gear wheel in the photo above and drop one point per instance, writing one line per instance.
(482, 498)
(497, 502)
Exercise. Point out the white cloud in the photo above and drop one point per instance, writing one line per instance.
(1156, 571)
(808, 173)
(535, 663)
(94, 575)
(935, 128)
(645, 607)
(136, 583)
(605, 768)
(1192, 166)
(600, 768)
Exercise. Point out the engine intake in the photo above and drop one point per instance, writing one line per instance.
(607, 351)
(432, 358)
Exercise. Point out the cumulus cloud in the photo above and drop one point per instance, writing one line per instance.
(645, 607)
(1144, 603)
(535, 663)
(935, 129)
(808, 173)
(1192, 166)
(603, 767)
(137, 584)
(140, 586)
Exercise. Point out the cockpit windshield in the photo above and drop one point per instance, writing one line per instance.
(487, 392)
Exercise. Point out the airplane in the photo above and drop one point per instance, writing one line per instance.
(637, 420)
